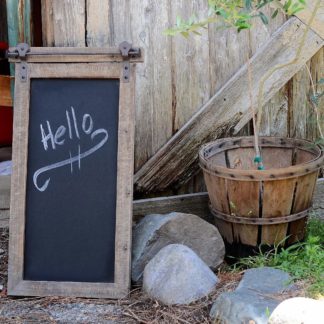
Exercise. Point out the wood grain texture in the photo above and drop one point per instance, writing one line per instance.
(190, 64)
(69, 22)
(298, 103)
(318, 22)
(196, 203)
(277, 201)
(243, 199)
(124, 191)
(5, 94)
(274, 120)
(153, 79)
(175, 162)
(316, 67)
(47, 23)
(98, 25)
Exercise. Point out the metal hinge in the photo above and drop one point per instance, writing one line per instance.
(127, 52)
(20, 52)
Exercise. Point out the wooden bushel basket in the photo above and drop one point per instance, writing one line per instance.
(260, 207)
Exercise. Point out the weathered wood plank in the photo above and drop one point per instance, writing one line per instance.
(298, 106)
(120, 21)
(318, 22)
(153, 78)
(274, 120)
(69, 22)
(176, 161)
(47, 23)
(190, 60)
(196, 204)
(316, 69)
(98, 23)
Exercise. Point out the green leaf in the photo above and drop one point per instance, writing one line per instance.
(264, 18)
(302, 2)
(185, 34)
(274, 15)
(287, 5)
(321, 81)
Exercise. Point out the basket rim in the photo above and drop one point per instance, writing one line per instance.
(210, 149)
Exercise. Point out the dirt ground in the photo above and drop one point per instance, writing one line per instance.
(136, 308)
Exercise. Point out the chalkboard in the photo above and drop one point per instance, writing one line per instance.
(71, 204)
(71, 180)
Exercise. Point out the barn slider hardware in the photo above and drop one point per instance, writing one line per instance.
(125, 53)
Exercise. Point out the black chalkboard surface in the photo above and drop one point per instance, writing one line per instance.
(71, 180)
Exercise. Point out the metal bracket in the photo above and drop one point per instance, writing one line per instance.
(127, 52)
(20, 52)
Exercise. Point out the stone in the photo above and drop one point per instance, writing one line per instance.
(176, 275)
(253, 300)
(298, 310)
(265, 280)
(242, 307)
(156, 231)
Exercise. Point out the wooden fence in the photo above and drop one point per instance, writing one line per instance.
(178, 75)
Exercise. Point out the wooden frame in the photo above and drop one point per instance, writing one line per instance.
(125, 155)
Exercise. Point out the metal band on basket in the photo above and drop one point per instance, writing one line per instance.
(258, 221)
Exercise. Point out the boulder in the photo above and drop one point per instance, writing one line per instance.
(298, 310)
(176, 275)
(253, 300)
(156, 231)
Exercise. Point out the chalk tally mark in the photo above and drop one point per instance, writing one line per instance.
(70, 160)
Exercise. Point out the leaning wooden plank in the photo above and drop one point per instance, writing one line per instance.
(176, 161)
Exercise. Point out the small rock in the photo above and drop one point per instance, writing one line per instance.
(252, 300)
(176, 275)
(298, 310)
(242, 307)
(2, 251)
(156, 231)
(1, 287)
(265, 280)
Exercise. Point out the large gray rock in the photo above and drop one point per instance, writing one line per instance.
(176, 275)
(297, 311)
(253, 299)
(156, 231)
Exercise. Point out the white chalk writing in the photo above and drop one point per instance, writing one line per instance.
(52, 140)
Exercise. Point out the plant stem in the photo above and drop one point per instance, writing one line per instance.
(256, 135)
